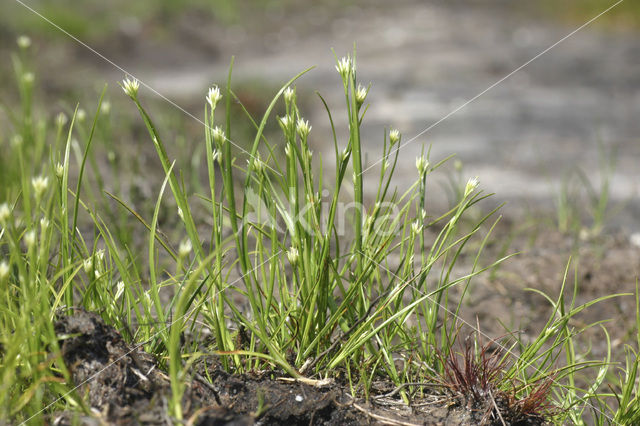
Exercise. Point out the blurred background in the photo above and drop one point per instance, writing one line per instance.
(567, 123)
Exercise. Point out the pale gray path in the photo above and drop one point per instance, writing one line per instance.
(424, 59)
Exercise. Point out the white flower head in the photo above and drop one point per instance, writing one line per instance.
(303, 128)
(81, 115)
(119, 290)
(213, 96)
(24, 42)
(421, 165)
(61, 119)
(361, 94)
(285, 122)
(256, 164)
(105, 108)
(16, 141)
(44, 224)
(28, 77)
(218, 135)
(472, 184)
(87, 264)
(344, 154)
(287, 150)
(293, 256)
(217, 156)
(4, 270)
(344, 67)
(39, 184)
(5, 212)
(185, 248)
(30, 238)
(59, 170)
(289, 95)
(394, 136)
(416, 227)
(130, 87)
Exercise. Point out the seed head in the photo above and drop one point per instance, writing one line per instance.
(130, 87)
(213, 96)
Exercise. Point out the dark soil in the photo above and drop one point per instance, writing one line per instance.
(123, 385)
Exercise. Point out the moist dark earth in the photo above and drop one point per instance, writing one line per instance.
(123, 385)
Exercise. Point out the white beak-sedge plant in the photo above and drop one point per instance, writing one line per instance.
(289, 272)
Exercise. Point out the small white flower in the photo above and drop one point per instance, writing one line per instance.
(287, 150)
(81, 115)
(394, 136)
(61, 119)
(28, 77)
(40, 184)
(361, 94)
(293, 255)
(16, 141)
(59, 170)
(30, 238)
(100, 255)
(4, 270)
(44, 224)
(218, 135)
(344, 67)
(256, 164)
(416, 227)
(119, 290)
(217, 156)
(5, 212)
(285, 122)
(185, 248)
(105, 108)
(24, 42)
(87, 264)
(289, 95)
(423, 214)
(344, 154)
(213, 96)
(421, 164)
(303, 128)
(130, 87)
(472, 184)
